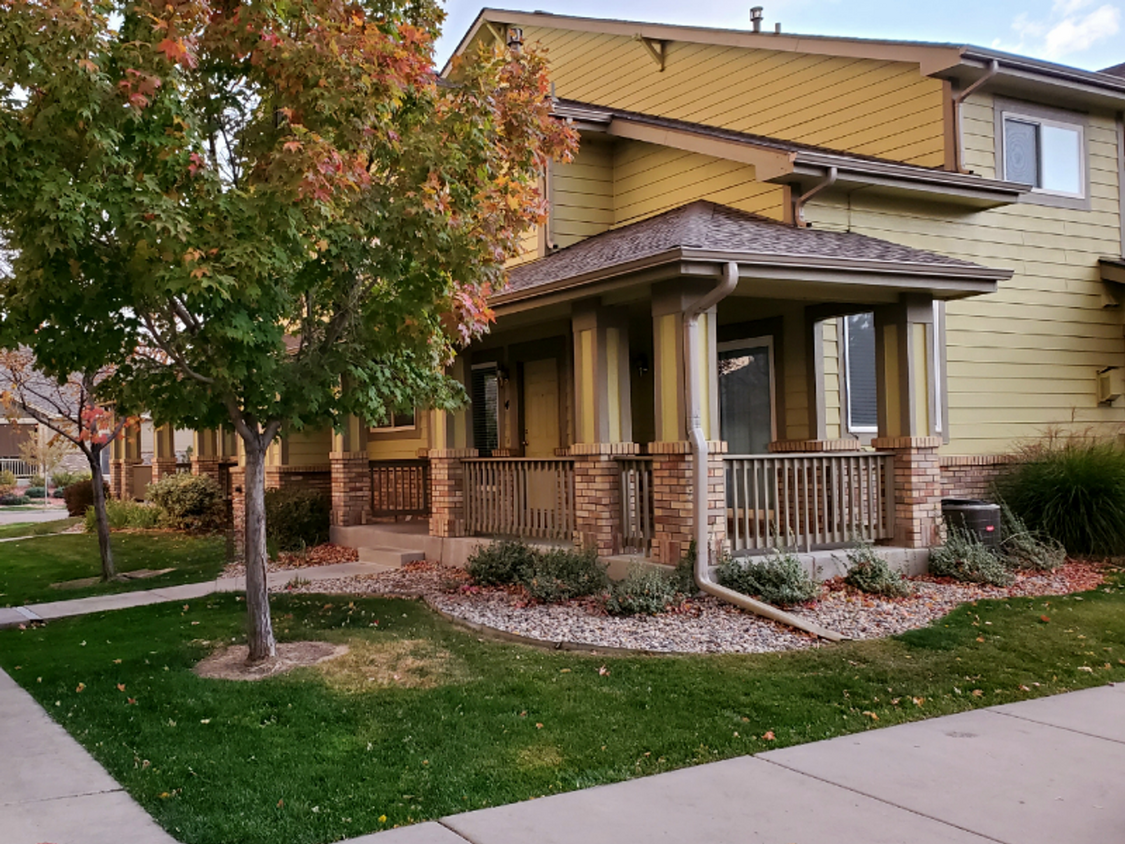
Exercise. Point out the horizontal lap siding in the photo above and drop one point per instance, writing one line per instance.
(880, 108)
(1025, 358)
(582, 194)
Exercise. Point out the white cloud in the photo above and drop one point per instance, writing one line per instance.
(1070, 27)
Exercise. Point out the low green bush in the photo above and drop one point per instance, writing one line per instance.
(1027, 549)
(7, 480)
(964, 558)
(126, 515)
(645, 591)
(35, 492)
(296, 518)
(500, 563)
(62, 478)
(1072, 490)
(562, 574)
(869, 572)
(189, 502)
(777, 579)
(36, 480)
(11, 499)
(79, 497)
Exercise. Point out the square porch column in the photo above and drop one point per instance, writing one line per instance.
(205, 457)
(911, 415)
(164, 452)
(447, 491)
(351, 474)
(597, 494)
(125, 453)
(673, 488)
(603, 408)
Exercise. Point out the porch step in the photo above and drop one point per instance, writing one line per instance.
(389, 556)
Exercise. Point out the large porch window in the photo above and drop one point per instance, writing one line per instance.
(486, 408)
(746, 391)
(861, 395)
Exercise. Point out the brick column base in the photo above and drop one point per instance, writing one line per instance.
(162, 468)
(597, 494)
(917, 489)
(207, 466)
(351, 488)
(121, 479)
(672, 486)
(447, 490)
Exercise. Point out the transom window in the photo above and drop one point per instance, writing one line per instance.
(1046, 154)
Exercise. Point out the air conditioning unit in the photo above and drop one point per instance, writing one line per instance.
(1111, 384)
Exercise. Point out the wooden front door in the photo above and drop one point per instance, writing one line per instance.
(541, 408)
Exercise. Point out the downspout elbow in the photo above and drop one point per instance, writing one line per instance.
(799, 206)
(993, 69)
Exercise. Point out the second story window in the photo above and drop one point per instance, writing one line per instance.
(1046, 154)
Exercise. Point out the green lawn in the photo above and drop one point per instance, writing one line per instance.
(28, 568)
(36, 528)
(311, 757)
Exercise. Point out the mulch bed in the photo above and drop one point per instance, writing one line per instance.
(701, 624)
(320, 555)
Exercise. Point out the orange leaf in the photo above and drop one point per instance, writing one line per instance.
(769, 736)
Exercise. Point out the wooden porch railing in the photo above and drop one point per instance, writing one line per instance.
(636, 505)
(400, 487)
(808, 501)
(20, 468)
(523, 497)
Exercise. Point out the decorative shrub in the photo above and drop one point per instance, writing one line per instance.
(500, 563)
(1028, 549)
(869, 572)
(562, 574)
(7, 481)
(1072, 490)
(36, 480)
(777, 579)
(124, 515)
(296, 518)
(62, 478)
(645, 591)
(963, 557)
(35, 492)
(189, 502)
(79, 497)
(11, 499)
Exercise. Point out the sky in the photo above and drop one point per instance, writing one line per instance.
(1081, 33)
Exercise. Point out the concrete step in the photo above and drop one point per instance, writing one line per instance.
(385, 556)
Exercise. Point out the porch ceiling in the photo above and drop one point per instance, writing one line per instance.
(694, 239)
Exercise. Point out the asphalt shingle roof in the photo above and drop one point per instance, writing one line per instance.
(708, 226)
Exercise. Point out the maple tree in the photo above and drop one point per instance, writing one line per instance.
(245, 205)
(69, 407)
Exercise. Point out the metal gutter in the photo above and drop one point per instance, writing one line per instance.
(799, 204)
(699, 469)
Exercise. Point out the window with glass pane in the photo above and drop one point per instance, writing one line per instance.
(1043, 154)
(397, 419)
(863, 407)
(486, 409)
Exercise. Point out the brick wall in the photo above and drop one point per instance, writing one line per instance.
(672, 486)
(918, 489)
(597, 494)
(971, 476)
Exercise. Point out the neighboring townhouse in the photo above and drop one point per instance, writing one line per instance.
(910, 258)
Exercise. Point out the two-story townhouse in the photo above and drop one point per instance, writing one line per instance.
(847, 276)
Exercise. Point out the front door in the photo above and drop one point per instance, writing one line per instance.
(540, 408)
(746, 414)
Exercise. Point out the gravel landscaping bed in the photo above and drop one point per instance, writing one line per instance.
(701, 624)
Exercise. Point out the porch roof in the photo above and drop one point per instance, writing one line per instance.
(704, 232)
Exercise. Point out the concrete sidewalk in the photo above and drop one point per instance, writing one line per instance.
(15, 616)
(1047, 771)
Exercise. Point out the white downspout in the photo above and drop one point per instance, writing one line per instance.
(699, 468)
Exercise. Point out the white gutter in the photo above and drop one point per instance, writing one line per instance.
(699, 469)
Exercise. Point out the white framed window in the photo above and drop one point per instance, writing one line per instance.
(1045, 153)
(860, 380)
(398, 421)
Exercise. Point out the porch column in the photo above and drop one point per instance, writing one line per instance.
(603, 409)
(668, 302)
(447, 491)
(673, 525)
(125, 453)
(597, 494)
(205, 456)
(163, 452)
(351, 474)
(910, 415)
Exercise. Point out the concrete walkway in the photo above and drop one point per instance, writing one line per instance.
(1041, 772)
(19, 517)
(15, 616)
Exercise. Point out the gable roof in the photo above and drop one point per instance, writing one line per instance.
(961, 63)
(706, 231)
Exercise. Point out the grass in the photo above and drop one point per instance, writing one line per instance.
(36, 528)
(28, 568)
(325, 753)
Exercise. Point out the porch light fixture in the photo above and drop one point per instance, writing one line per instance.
(515, 38)
(501, 376)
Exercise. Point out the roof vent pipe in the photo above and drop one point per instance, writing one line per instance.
(699, 467)
(756, 18)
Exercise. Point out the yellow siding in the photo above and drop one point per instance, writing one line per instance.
(1025, 358)
(650, 179)
(400, 445)
(528, 248)
(880, 108)
(581, 194)
(307, 448)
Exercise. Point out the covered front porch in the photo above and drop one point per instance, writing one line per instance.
(823, 374)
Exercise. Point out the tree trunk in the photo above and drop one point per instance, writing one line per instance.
(97, 480)
(259, 624)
